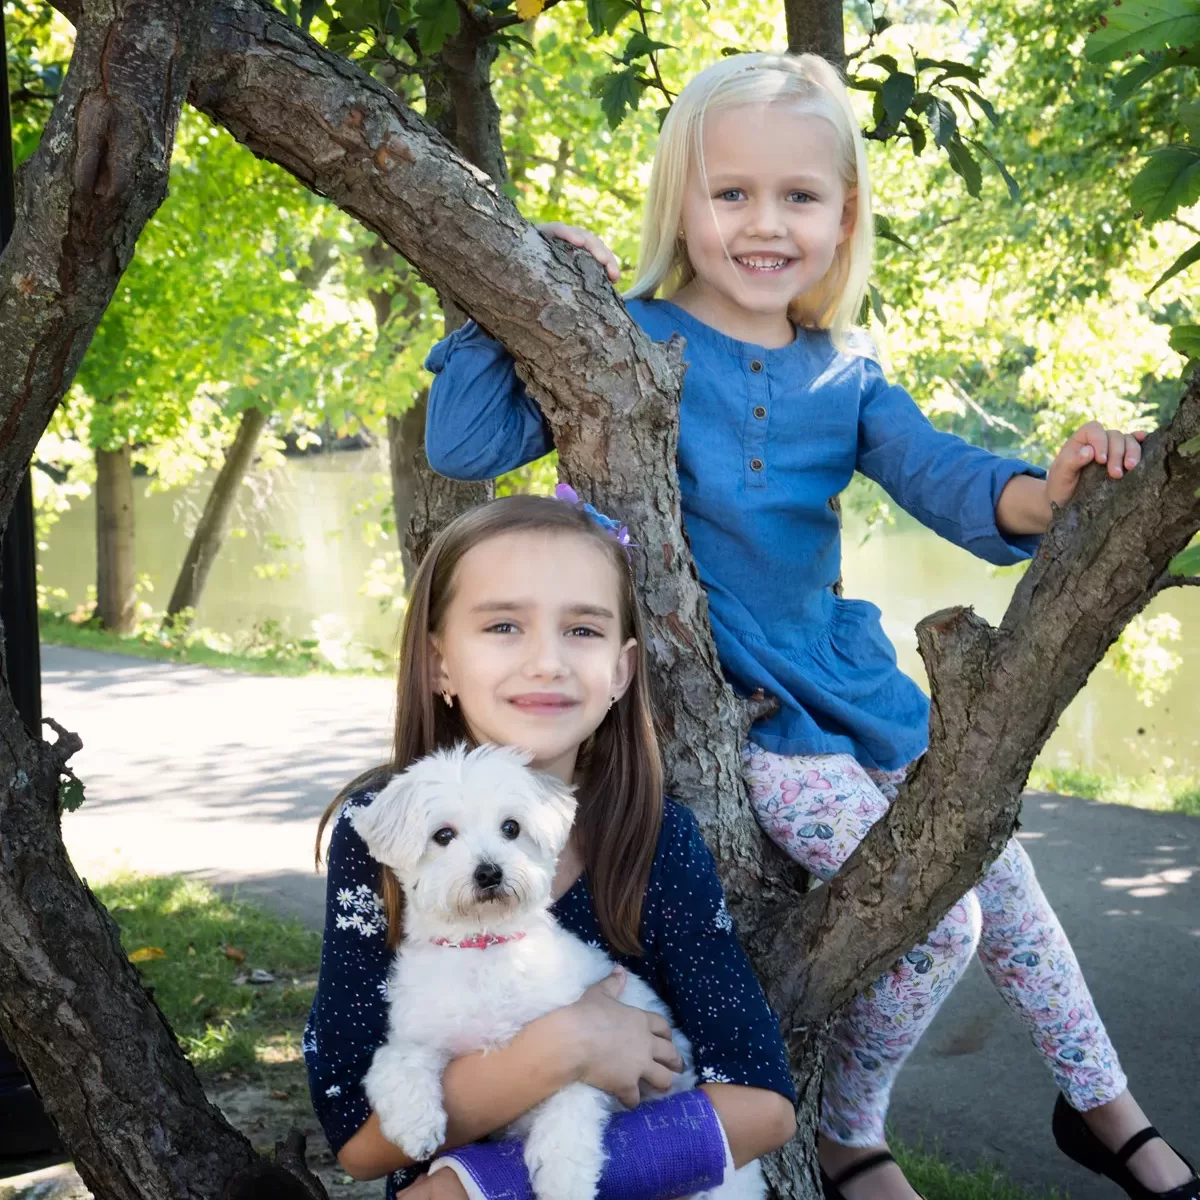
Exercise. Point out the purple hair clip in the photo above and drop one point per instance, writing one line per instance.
(618, 532)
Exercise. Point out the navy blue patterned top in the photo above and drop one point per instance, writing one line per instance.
(692, 958)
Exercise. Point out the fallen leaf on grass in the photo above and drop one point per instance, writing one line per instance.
(199, 997)
(146, 953)
(236, 953)
(279, 1096)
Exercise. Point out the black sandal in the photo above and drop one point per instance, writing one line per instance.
(832, 1187)
(1077, 1141)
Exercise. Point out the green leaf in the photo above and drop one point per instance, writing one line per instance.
(965, 165)
(1186, 563)
(949, 69)
(877, 305)
(887, 62)
(437, 21)
(70, 794)
(916, 132)
(1127, 28)
(640, 45)
(1185, 340)
(897, 93)
(883, 229)
(967, 95)
(619, 91)
(1182, 263)
(606, 15)
(1170, 180)
(942, 123)
(1189, 114)
(1014, 188)
(1190, 448)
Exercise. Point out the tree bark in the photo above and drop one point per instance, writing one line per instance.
(116, 581)
(210, 533)
(126, 1101)
(816, 27)
(459, 104)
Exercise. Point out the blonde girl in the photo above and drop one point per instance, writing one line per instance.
(757, 249)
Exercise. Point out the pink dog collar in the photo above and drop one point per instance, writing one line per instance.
(478, 941)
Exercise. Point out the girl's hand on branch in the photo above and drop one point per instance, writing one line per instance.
(585, 241)
(1120, 452)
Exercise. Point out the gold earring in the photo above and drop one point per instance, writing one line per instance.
(449, 699)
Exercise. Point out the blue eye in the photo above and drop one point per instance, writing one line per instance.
(730, 194)
(802, 197)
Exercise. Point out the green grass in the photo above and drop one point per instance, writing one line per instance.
(265, 651)
(937, 1180)
(222, 1025)
(1176, 794)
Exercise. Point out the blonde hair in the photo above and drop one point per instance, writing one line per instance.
(808, 84)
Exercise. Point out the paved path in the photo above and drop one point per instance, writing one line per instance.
(225, 775)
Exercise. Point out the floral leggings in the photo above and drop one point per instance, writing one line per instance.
(818, 808)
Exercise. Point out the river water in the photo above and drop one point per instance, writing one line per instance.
(309, 517)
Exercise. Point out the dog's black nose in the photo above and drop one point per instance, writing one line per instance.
(488, 875)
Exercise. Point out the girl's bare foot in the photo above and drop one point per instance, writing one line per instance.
(885, 1182)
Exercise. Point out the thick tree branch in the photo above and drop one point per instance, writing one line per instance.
(997, 696)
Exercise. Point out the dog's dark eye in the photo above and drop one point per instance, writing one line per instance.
(510, 829)
(444, 836)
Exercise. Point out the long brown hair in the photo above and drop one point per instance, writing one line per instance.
(619, 775)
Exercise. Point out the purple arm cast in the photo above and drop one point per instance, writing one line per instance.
(658, 1151)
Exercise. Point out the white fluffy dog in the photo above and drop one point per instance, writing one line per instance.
(473, 838)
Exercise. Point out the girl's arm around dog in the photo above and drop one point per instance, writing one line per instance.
(597, 1040)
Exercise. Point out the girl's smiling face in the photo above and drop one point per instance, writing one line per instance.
(532, 646)
(763, 220)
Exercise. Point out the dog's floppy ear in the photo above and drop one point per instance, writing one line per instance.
(393, 824)
(549, 818)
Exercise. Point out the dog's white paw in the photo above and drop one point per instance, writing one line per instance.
(559, 1178)
(416, 1128)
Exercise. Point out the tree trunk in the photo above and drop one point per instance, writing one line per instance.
(116, 581)
(816, 27)
(406, 436)
(210, 533)
(126, 1101)
(460, 106)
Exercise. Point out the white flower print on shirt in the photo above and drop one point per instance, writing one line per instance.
(334, 1089)
(712, 1075)
(723, 921)
(365, 910)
